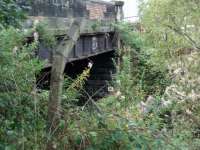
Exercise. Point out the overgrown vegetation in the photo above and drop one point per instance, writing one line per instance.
(19, 103)
(23, 108)
(156, 101)
(10, 14)
(46, 36)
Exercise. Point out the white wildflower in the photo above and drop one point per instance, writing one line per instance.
(118, 82)
(150, 100)
(177, 71)
(35, 22)
(188, 112)
(166, 103)
(190, 59)
(143, 107)
(143, 103)
(55, 146)
(36, 36)
(25, 31)
(15, 49)
(118, 93)
(122, 97)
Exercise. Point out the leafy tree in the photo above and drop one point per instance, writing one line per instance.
(171, 26)
(10, 13)
(172, 32)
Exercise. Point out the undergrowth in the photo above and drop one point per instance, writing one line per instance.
(148, 109)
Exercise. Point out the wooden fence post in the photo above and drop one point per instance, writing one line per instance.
(57, 79)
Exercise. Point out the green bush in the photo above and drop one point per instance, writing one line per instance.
(10, 14)
(47, 38)
(139, 68)
(20, 105)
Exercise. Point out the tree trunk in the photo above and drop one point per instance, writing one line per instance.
(57, 77)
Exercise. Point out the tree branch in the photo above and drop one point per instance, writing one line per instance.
(185, 35)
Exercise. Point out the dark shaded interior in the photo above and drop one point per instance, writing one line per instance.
(101, 75)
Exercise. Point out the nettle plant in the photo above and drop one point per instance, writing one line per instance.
(19, 103)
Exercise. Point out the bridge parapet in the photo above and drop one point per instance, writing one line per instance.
(97, 36)
(58, 13)
(97, 40)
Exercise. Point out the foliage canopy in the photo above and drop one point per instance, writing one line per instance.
(10, 13)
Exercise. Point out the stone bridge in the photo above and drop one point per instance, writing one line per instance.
(97, 43)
